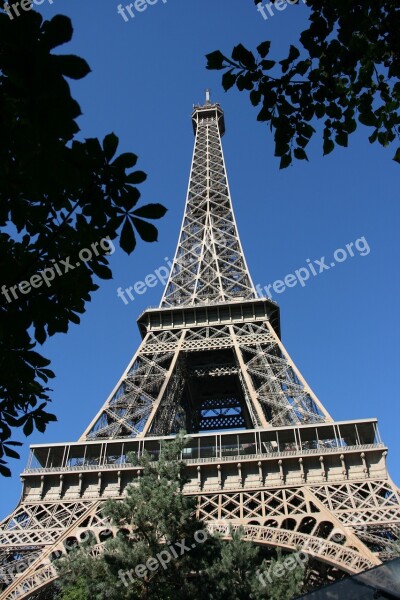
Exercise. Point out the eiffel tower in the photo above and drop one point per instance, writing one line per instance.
(264, 453)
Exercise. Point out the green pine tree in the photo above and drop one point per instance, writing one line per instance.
(233, 572)
(394, 545)
(163, 552)
(279, 579)
(167, 553)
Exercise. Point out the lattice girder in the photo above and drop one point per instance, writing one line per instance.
(140, 389)
(264, 453)
(264, 515)
(271, 387)
(209, 265)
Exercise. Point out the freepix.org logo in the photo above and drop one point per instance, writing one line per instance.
(314, 268)
(267, 10)
(130, 11)
(169, 552)
(14, 10)
(59, 269)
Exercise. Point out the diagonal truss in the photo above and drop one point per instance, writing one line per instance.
(150, 397)
(158, 394)
(131, 403)
(263, 454)
(314, 518)
(209, 264)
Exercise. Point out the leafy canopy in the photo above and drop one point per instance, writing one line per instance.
(58, 195)
(343, 71)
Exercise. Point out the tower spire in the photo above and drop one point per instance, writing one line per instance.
(209, 264)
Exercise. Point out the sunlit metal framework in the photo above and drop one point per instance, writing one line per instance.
(264, 452)
(209, 264)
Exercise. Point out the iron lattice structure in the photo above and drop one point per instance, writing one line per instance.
(263, 453)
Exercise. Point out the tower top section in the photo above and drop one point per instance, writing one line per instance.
(208, 112)
(209, 265)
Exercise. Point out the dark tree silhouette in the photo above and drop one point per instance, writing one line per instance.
(58, 196)
(343, 71)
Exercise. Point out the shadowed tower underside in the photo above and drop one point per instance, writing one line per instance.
(263, 453)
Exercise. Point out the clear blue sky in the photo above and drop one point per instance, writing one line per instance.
(342, 328)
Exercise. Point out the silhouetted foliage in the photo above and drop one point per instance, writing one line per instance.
(58, 196)
(344, 70)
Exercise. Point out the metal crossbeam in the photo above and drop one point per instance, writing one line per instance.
(264, 452)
